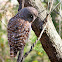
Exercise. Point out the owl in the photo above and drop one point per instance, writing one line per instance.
(19, 27)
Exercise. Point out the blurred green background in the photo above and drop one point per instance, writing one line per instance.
(8, 8)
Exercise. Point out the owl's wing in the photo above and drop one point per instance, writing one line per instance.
(18, 34)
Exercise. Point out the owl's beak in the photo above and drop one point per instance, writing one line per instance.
(33, 19)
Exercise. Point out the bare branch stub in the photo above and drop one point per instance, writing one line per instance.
(21, 3)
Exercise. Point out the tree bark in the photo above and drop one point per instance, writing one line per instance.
(50, 40)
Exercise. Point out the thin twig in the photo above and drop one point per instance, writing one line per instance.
(51, 5)
(23, 1)
(4, 23)
(55, 7)
(58, 13)
(60, 21)
(42, 11)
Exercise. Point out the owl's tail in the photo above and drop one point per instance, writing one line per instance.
(15, 53)
(11, 52)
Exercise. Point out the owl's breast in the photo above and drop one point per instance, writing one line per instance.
(18, 33)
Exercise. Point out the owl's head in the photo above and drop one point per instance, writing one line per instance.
(28, 14)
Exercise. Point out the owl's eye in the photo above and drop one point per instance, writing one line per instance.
(31, 16)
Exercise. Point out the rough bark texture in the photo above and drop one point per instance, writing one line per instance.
(50, 40)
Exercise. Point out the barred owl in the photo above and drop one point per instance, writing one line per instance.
(19, 28)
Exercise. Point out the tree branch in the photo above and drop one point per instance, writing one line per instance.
(50, 40)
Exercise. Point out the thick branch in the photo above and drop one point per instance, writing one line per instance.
(50, 39)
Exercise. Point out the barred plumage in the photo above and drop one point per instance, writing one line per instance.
(18, 34)
(19, 29)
